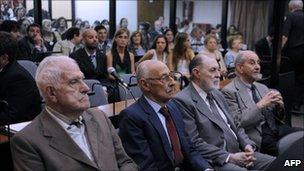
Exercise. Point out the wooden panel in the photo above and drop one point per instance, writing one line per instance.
(149, 10)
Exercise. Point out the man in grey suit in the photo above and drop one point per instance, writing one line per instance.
(209, 123)
(257, 109)
(67, 135)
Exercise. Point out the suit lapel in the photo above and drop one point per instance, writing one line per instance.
(202, 107)
(93, 135)
(61, 141)
(157, 125)
(243, 93)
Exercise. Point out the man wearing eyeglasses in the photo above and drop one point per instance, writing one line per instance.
(152, 130)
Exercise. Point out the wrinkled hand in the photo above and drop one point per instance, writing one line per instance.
(243, 159)
(270, 98)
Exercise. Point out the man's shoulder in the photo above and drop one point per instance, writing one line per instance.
(230, 86)
(78, 53)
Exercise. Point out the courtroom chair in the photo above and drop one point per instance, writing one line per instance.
(97, 95)
(287, 141)
(131, 81)
(6, 162)
(286, 65)
(289, 154)
(30, 66)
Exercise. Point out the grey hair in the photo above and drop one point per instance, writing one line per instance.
(198, 60)
(49, 71)
(241, 58)
(295, 4)
(142, 70)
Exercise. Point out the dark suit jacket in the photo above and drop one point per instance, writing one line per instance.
(45, 145)
(262, 48)
(27, 51)
(86, 66)
(145, 140)
(205, 130)
(19, 90)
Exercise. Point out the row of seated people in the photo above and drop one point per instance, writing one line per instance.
(197, 130)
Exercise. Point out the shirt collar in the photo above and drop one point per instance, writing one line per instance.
(247, 85)
(200, 91)
(156, 107)
(60, 117)
(89, 54)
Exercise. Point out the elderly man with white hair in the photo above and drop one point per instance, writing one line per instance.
(256, 108)
(67, 135)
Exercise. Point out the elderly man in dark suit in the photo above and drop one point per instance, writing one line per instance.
(257, 109)
(209, 123)
(67, 135)
(152, 131)
(19, 95)
(90, 59)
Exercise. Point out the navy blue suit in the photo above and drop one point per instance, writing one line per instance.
(145, 141)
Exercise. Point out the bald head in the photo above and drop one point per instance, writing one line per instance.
(90, 39)
(146, 68)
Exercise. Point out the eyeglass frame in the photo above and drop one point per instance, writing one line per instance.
(165, 78)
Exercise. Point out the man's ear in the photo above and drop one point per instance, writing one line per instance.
(144, 85)
(195, 72)
(239, 68)
(51, 93)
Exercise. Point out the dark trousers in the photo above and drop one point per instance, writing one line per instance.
(296, 55)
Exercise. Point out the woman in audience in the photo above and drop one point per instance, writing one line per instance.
(123, 23)
(211, 49)
(158, 51)
(62, 25)
(137, 46)
(48, 35)
(181, 55)
(77, 23)
(234, 45)
(119, 57)
(170, 37)
(24, 23)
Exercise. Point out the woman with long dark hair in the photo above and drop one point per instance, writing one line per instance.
(136, 46)
(119, 57)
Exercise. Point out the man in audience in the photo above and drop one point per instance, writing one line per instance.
(257, 109)
(67, 135)
(31, 46)
(197, 40)
(209, 123)
(263, 47)
(104, 44)
(12, 27)
(89, 58)
(152, 131)
(157, 30)
(72, 42)
(293, 40)
(19, 96)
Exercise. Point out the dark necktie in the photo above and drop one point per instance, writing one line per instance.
(178, 155)
(93, 60)
(255, 97)
(213, 107)
(77, 122)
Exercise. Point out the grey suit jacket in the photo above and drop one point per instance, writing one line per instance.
(44, 145)
(205, 130)
(245, 111)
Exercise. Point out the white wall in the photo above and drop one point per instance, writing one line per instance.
(127, 9)
(204, 11)
(92, 10)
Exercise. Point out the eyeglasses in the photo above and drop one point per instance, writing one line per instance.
(167, 77)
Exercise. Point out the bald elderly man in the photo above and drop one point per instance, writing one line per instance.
(259, 110)
(152, 131)
(67, 135)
